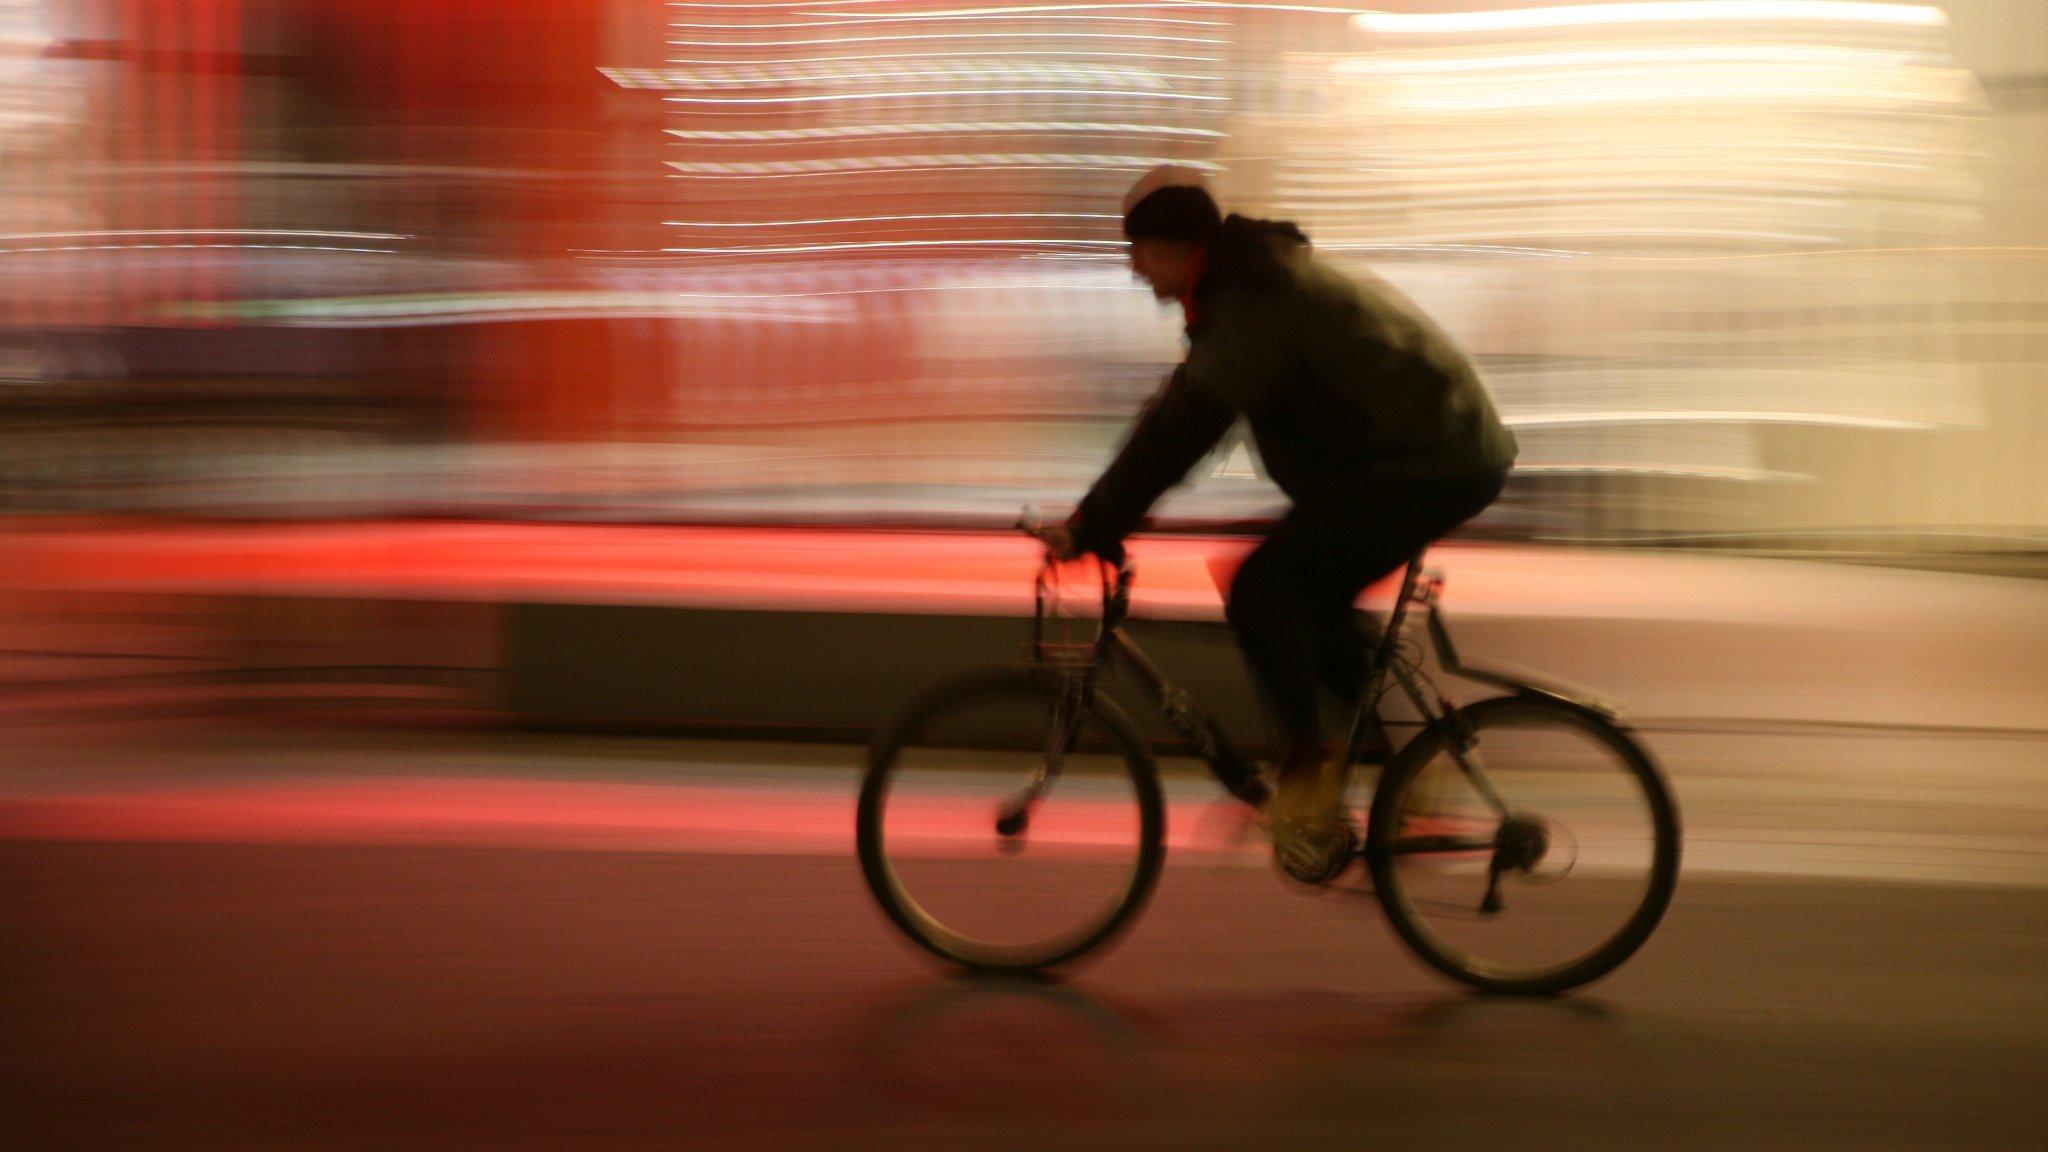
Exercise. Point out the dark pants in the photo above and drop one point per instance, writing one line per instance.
(1292, 603)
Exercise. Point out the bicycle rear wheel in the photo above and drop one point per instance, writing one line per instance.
(969, 869)
(1539, 863)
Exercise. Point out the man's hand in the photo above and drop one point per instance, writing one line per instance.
(1059, 542)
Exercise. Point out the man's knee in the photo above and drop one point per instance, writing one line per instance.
(1261, 593)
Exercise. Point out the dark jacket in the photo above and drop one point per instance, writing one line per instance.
(1340, 378)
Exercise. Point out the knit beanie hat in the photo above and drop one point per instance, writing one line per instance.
(1171, 202)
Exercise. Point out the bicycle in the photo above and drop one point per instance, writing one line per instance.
(1012, 818)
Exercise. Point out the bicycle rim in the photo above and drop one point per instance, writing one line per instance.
(1556, 893)
(934, 849)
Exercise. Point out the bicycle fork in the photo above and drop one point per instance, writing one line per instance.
(1014, 816)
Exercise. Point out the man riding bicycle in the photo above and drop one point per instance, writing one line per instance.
(1372, 421)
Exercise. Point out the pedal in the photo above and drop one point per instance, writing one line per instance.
(1316, 855)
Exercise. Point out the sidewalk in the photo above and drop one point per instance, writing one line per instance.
(832, 629)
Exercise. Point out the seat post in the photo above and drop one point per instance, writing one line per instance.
(1382, 662)
(1400, 609)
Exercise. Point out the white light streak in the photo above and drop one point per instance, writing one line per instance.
(428, 309)
(1578, 15)
(1397, 248)
(1165, 5)
(169, 247)
(1652, 85)
(1731, 472)
(1035, 37)
(1438, 233)
(946, 128)
(204, 232)
(1026, 10)
(742, 7)
(1003, 54)
(838, 97)
(1682, 416)
(772, 4)
(945, 160)
(1837, 58)
(851, 246)
(1317, 9)
(923, 18)
(1009, 71)
(869, 171)
(893, 219)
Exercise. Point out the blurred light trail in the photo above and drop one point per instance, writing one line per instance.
(1004, 54)
(169, 247)
(787, 812)
(948, 160)
(1585, 15)
(1715, 416)
(719, 76)
(1745, 55)
(1144, 37)
(942, 128)
(856, 13)
(1647, 85)
(1062, 12)
(887, 245)
(205, 232)
(892, 219)
(484, 307)
(892, 94)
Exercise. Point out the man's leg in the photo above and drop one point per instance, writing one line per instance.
(1341, 634)
(1268, 609)
(1341, 641)
(1370, 532)
(1292, 608)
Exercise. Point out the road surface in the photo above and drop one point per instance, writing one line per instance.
(312, 941)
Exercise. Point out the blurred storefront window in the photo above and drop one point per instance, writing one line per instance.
(1755, 272)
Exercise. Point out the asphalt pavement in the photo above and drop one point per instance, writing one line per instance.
(532, 944)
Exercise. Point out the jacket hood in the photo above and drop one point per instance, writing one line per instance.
(1252, 253)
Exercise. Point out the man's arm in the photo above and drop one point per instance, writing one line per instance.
(1177, 428)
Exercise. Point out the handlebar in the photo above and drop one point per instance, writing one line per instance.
(1116, 582)
(1032, 524)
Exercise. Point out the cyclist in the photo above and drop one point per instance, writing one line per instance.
(1372, 421)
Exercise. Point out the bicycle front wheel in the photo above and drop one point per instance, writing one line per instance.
(1523, 845)
(1004, 826)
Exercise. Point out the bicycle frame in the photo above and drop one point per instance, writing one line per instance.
(1112, 647)
(1420, 806)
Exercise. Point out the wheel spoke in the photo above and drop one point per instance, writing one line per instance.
(1440, 845)
(977, 855)
(1493, 894)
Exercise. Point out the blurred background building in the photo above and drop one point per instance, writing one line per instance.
(1742, 273)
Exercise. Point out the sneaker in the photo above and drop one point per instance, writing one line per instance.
(1312, 842)
(1315, 850)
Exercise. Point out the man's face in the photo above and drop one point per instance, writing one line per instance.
(1167, 265)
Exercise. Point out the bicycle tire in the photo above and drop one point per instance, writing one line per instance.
(1539, 713)
(904, 909)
